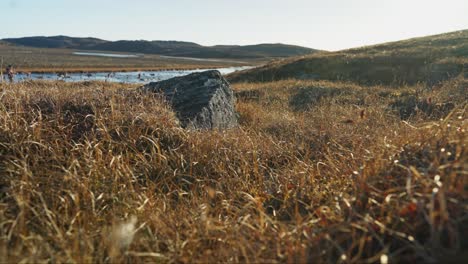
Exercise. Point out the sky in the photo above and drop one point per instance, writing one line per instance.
(320, 24)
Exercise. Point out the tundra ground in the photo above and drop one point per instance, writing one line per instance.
(316, 172)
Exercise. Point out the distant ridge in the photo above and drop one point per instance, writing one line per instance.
(169, 48)
(58, 42)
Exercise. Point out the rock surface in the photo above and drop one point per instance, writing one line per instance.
(202, 100)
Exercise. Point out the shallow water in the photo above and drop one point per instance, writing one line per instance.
(201, 59)
(116, 55)
(120, 77)
(112, 55)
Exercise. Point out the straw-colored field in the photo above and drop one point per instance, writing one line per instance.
(316, 172)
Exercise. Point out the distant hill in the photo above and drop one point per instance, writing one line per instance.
(169, 48)
(265, 50)
(56, 42)
(426, 59)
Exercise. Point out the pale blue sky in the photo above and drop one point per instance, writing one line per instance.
(325, 24)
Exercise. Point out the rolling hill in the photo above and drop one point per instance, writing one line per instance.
(58, 42)
(428, 59)
(168, 48)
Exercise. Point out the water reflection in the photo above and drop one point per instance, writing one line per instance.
(112, 55)
(121, 77)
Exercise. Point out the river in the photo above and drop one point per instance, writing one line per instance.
(120, 77)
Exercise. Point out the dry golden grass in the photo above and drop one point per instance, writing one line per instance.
(317, 172)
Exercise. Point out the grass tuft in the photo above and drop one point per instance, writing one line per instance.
(318, 171)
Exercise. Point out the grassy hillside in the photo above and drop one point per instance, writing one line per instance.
(318, 171)
(429, 59)
(169, 48)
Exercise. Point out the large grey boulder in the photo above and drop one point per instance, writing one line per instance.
(202, 100)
